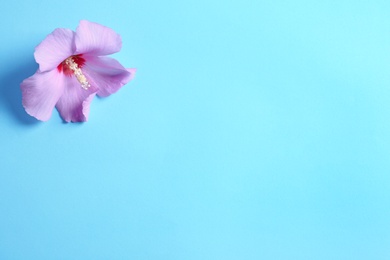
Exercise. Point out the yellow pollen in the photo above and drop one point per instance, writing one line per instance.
(78, 73)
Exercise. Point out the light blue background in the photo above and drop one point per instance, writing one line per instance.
(253, 130)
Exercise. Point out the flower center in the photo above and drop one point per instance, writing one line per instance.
(72, 66)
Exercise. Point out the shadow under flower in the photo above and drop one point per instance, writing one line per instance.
(10, 93)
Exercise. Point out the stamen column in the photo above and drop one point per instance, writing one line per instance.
(78, 73)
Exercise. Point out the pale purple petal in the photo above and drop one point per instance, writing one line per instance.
(107, 74)
(41, 92)
(132, 72)
(86, 105)
(95, 39)
(54, 49)
(74, 102)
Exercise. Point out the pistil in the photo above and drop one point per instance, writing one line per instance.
(72, 65)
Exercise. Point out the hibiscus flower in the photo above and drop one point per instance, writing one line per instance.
(72, 70)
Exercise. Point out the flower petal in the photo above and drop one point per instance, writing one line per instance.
(96, 39)
(54, 49)
(132, 72)
(41, 92)
(74, 102)
(107, 74)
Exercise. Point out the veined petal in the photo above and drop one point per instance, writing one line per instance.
(96, 39)
(54, 49)
(74, 102)
(107, 74)
(41, 92)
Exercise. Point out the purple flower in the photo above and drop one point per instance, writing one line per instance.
(72, 70)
